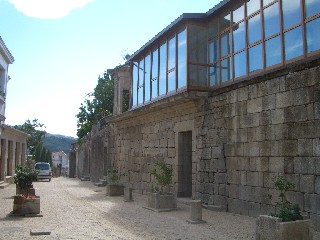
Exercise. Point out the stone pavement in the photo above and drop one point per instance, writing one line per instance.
(73, 209)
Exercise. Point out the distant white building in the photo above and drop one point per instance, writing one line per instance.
(61, 158)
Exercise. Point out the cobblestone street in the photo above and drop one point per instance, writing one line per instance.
(73, 209)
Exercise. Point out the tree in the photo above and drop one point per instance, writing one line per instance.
(36, 132)
(96, 105)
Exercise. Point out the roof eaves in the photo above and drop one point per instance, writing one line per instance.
(217, 7)
(5, 51)
(181, 18)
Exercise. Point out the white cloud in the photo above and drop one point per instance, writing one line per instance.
(48, 8)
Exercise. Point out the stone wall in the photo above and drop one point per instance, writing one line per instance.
(260, 130)
(242, 136)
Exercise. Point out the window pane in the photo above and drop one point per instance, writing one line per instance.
(313, 35)
(240, 64)
(239, 37)
(134, 83)
(291, 13)
(163, 70)
(255, 58)
(266, 2)
(172, 53)
(252, 6)
(213, 74)
(172, 64)
(254, 29)
(312, 7)
(224, 22)
(271, 20)
(147, 78)
(154, 73)
(293, 44)
(182, 59)
(273, 51)
(225, 70)
(225, 44)
(213, 50)
(238, 14)
(141, 82)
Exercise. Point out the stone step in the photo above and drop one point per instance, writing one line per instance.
(9, 179)
(215, 208)
(101, 183)
(85, 178)
(4, 185)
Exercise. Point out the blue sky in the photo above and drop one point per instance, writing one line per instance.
(62, 46)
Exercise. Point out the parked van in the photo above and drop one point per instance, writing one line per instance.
(44, 170)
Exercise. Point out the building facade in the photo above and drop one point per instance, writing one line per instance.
(13, 142)
(229, 98)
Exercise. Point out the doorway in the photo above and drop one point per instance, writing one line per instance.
(185, 164)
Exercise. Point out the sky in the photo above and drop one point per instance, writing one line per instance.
(61, 47)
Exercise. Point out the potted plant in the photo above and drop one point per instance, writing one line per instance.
(287, 222)
(114, 187)
(160, 199)
(25, 200)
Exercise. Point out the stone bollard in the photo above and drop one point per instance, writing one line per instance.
(127, 194)
(195, 212)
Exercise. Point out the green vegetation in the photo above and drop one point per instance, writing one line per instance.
(96, 105)
(163, 174)
(286, 210)
(113, 175)
(57, 143)
(24, 177)
(35, 147)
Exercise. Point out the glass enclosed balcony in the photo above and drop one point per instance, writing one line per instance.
(231, 42)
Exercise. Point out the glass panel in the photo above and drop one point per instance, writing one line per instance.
(271, 20)
(141, 82)
(147, 78)
(224, 22)
(239, 37)
(182, 59)
(163, 70)
(225, 43)
(255, 58)
(252, 6)
(154, 73)
(266, 2)
(171, 81)
(226, 70)
(240, 64)
(238, 14)
(254, 29)
(293, 44)
(312, 7)
(172, 53)
(291, 13)
(172, 64)
(214, 74)
(273, 51)
(213, 50)
(134, 83)
(313, 35)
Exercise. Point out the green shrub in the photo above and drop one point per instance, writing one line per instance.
(113, 175)
(24, 177)
(163, 175)
(286, 211)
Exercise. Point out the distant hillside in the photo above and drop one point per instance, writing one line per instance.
(56, 143)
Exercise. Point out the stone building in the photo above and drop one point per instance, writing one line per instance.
(13, 142)
(229, 98)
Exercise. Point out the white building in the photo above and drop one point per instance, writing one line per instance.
(13, 142)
